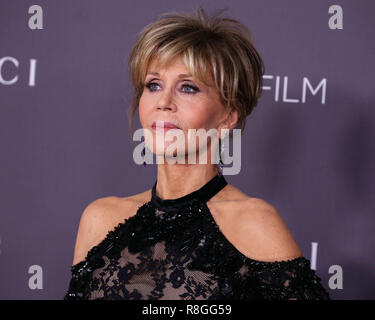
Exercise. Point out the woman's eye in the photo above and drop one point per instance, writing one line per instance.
(192, 89)
(150, 84)
(195, 89)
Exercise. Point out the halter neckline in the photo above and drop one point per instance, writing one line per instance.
(203, 194)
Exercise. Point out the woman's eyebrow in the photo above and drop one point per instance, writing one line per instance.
(182, 75)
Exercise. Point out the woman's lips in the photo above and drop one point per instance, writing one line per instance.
(164, 126)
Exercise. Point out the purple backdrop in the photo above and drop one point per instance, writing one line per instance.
(64, 139)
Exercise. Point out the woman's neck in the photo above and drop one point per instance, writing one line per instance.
(177, 180)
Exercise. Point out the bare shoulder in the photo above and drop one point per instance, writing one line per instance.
(101, 216)
(255, 228)
(262, 232)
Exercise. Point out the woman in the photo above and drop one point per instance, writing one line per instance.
(192, 235)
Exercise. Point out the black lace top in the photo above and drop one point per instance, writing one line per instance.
(173, 249)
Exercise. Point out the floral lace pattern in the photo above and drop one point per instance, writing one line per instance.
(181, 254)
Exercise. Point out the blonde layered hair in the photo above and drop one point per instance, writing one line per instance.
(212, 48)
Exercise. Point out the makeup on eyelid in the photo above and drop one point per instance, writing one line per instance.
(185, 85)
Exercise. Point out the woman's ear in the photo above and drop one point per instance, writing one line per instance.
(230, 122)
(232, 118)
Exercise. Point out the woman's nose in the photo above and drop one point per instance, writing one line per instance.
(166, 101)
(164, 107)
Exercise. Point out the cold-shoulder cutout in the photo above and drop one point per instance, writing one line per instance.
(98, 219)
(261, 232)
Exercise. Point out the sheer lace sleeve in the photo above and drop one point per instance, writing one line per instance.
(284, 280)
(78, 285)
(81, 272)
(76, 290)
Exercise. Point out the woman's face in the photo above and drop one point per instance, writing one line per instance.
(171, 95)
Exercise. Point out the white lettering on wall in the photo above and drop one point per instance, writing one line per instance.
(15, 63)
(2, 62)
(306, 84)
